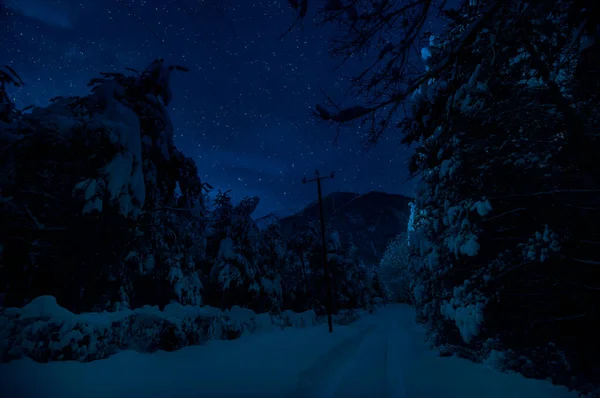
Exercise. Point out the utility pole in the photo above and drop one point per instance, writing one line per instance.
(329, 292)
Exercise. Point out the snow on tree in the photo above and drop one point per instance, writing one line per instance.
(221, 213)
(247, 266)
(394, 270)
(89, 173)
(297, 272)
(501, 235)
(121, 180)
(354, 286)
(273, 259)
(101, 171)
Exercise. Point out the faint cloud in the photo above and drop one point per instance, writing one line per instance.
(50, 12)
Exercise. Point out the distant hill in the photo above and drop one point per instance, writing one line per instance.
(370, 220)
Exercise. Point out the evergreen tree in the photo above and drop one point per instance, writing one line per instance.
(394, 271)
(92, 216)
(505, 219)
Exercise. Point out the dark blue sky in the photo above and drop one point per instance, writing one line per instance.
(242, 113)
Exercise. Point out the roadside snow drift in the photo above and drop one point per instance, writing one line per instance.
(44, 331)
(379, 355)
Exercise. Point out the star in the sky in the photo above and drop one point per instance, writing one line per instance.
(243, 113)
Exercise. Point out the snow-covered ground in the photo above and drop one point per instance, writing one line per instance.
(380, 355)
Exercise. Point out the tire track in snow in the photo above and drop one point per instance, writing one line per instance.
(323, 378)
(358, 367)
(366, 374)
(397, 359)
(391, 359)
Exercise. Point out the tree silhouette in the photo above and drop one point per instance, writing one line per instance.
(8, 76)
(503, 106)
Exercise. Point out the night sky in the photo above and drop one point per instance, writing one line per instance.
(242, 112)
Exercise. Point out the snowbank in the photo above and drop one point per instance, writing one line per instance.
(382, 354)
(299, 320)
(44, 331)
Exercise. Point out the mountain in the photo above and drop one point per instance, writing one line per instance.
(368, 220)
(267, 220)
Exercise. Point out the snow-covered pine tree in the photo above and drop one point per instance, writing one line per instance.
(221, 214)
(94, 219)
(272, 260)
(394, 270)
(246, 263)
(505, 219)
(297, 273)
(352, 282)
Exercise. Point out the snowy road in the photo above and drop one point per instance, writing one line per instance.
(390, 359)
(381, 355)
